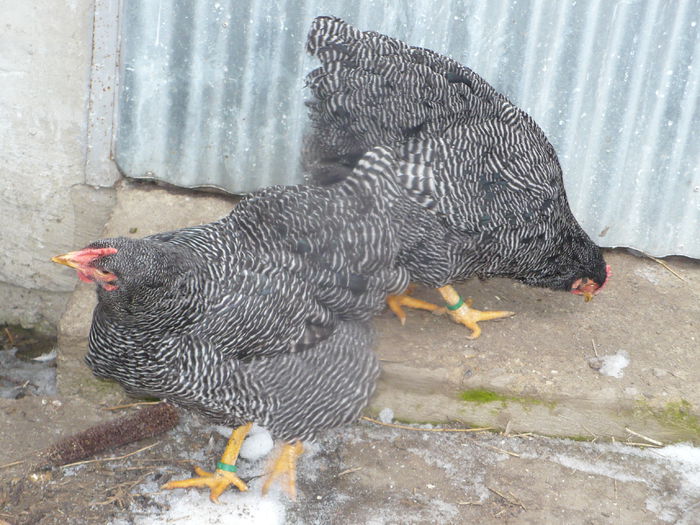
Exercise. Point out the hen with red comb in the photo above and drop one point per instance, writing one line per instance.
(463, 154)
(262, 316)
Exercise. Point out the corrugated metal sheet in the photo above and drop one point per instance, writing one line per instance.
(212, 95)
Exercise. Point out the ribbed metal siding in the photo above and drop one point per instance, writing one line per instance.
(212, 95)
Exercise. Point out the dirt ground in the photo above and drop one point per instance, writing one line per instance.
(364, 474)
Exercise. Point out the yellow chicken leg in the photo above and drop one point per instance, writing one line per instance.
(225, 473)
(285, 464)
(463, 314)
(395, 303)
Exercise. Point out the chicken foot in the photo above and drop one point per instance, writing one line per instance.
(396, 302)
(461, 312)
(225, 473)
(285, 465)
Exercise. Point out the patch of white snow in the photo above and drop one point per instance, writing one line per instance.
(386, 415)
(257, 445)
(613, 365)
(193, 507)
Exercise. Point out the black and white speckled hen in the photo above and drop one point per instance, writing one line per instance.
(482, 167)
(262, 316)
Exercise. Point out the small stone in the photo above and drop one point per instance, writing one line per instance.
(596, 363)
(659, 372)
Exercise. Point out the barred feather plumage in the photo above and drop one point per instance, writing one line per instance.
(462, 152)
(263, 315)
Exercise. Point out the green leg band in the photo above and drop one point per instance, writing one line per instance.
(454, 307)
(225, 466)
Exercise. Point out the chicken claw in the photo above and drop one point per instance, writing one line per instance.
(285, 464)
(217, 482)
(395, 303)
(225, 473)
(461, 312)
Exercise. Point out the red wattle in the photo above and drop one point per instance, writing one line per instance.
(84, 277)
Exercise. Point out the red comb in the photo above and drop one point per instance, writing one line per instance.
(608, 273)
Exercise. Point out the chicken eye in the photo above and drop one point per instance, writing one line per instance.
(105, 275)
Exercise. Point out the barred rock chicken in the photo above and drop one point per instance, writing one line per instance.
(462, 152)
(262, 316)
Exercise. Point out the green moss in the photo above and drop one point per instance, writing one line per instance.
(406, 421)
(482, 396)
(579, 438)
(678, 415)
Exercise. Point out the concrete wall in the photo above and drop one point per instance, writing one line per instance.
(45, 207)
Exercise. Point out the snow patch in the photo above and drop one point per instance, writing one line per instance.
(386, 415)
(671, 474)
(687, 462)
(194, 508)
(50, 356)
(223, 430)
(684, 459)
(599, 468)
(613, 365)
(257, 445)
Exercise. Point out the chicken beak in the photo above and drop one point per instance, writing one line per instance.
(67, 259)
(587, 296)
